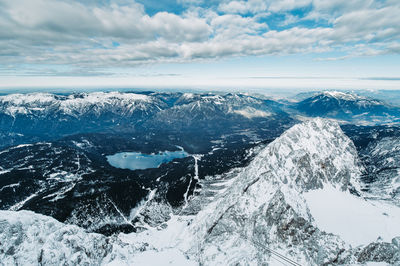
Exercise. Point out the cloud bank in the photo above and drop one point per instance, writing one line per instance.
(104, 34)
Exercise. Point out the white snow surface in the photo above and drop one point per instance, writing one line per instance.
(342, 95)
(356, 220)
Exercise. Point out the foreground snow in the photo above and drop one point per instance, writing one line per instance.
(28, 238)
(354, 219)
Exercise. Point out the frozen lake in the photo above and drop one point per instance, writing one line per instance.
(137, 160)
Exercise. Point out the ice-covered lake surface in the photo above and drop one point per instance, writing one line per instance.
(137, 160)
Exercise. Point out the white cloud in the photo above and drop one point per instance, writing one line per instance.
(257, 6)
(369, 24)
(77, 34)
(56, 18)
(285, 5)
(189, 2)
(243, 7)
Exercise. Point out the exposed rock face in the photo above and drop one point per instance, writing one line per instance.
(33, 239)
(382, 159)
(380, 252)
(27, 238)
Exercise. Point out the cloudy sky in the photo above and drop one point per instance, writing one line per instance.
(199, 43)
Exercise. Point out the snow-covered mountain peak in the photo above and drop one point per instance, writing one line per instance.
(344, 96)
(265, 206)
(341, 95)
(310, 154)
(348, 107)
(304, 158)
(29, 98)
(95, 97)
(14, 104)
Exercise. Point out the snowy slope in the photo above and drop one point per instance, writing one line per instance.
(356, 220)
